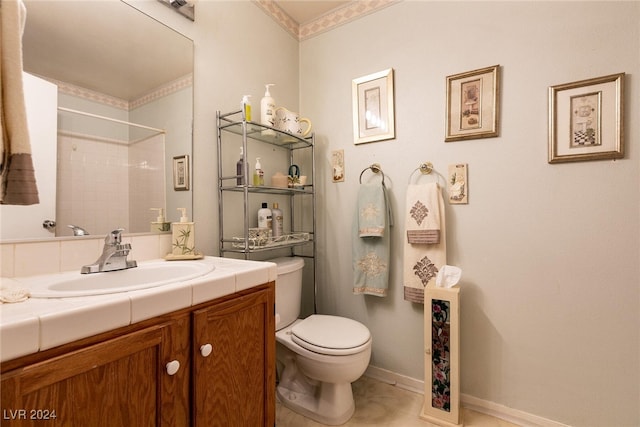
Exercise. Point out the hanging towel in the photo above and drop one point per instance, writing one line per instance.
(371, 252)
(372, 211)
(423, 214)
(18, 182)
(423, 261)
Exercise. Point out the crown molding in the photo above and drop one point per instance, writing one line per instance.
(350, 12)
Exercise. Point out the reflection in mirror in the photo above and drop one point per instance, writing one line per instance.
(125, 109)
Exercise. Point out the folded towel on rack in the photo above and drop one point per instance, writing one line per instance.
(421, 262)
(372, 207)
(371, 253)
(13, 291)
(423, 214)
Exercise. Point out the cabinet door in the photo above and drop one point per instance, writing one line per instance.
(234, 362)
(113, 383)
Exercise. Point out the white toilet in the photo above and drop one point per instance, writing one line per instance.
(318, 357)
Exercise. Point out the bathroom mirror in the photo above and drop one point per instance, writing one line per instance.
(122, 78)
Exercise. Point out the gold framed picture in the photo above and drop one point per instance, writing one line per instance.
(373, 107)
(586, 120)
(181, 173)
(473, 104)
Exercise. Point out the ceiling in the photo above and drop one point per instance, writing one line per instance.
(62, 37)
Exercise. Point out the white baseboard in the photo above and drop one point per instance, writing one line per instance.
(496, 410)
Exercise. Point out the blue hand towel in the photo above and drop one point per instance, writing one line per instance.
(372, 209)
(371, 252)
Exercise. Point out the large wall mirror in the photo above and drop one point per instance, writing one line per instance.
(123, 112)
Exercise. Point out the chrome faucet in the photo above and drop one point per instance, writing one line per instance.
(114, 255)
(78, 231)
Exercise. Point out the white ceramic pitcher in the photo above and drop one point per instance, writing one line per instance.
(291, 122)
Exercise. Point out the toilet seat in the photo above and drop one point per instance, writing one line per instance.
(331, 335)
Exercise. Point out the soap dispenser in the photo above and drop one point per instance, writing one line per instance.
(183, 237)
(267, 110)
(246, 108)
(160, 224)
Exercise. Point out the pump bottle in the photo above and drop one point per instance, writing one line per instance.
(246, 108)
(258, 174)
(267, 110)
(183, 238)
(160, 224)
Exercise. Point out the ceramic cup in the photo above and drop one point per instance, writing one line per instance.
(291, 122)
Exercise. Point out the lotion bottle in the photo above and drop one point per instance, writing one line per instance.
(246, 108)
(160, 224)
(276, 221)
(240, 168)
(258, 174)
(264, 217)
(183, 238)
(267, 110)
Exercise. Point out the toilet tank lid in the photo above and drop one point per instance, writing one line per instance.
(288, 264)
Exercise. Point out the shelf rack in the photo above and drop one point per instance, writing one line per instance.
(234, 123)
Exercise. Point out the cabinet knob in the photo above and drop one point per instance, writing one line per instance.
(206, 350)
(173, 367)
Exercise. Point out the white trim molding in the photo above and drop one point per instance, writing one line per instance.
(326, 22)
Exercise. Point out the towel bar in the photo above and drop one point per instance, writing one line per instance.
(375, 168)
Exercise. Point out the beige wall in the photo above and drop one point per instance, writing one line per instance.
(549, 253)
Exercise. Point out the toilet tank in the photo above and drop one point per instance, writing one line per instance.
(288, 290)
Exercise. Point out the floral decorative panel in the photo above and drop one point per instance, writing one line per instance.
(441, 357)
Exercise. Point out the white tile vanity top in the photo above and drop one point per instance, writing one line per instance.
(39, 324)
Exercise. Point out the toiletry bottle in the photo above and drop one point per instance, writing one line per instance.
(276, 221)
(160, 224)
(240, 168)
(264, 217)
(267, 110)
(183, 238)
(258, 174)
(246, 108)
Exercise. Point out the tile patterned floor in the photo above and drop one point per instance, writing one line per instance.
(381, 404)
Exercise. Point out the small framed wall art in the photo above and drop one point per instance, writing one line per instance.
(473, 104)
(181, 173)
(373, 107)
(586, 120)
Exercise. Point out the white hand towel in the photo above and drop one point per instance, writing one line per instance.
(423, 214)
(422, 262)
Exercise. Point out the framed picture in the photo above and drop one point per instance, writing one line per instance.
(586, 120)
(472, 104)
(181, 173)
(373, 115)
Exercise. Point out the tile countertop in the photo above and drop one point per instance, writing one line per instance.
(43, 323)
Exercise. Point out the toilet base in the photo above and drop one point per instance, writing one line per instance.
(330, 404)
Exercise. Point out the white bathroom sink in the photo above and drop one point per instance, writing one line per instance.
(146, 275)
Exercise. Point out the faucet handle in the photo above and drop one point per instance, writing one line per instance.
(115, 237)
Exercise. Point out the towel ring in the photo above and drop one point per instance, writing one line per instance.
(425, 169)
(375, 168)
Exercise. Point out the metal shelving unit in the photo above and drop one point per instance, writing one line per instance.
(244, 244)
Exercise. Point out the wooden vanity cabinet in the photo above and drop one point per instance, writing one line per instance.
(124, 377)
(234, 362)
